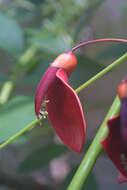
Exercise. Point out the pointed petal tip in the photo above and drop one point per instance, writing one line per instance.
(79, 149)
(76, 148)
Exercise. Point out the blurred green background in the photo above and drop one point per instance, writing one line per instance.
(32, 34)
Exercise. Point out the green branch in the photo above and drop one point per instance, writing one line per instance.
(93, 151)
(103, 72)
(21, 132)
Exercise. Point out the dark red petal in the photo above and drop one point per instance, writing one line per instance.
(121, 178)
(65, 112)
(113, 145)
(123, 123)
(46, 81)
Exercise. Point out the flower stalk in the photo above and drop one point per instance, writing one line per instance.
(102, 73)
(98, 41)
(93, 151)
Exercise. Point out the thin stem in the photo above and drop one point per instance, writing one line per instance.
(93, 79)
(103, 72)
(21, 132)
(93, 151)
(98, 41)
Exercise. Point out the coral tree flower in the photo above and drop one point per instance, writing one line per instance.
(62, 103)
(115, 144)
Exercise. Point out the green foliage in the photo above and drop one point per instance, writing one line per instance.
(60, 14)
(11, 36)
(3, 78)
(44, 39)
(15, 116)
(40, 157)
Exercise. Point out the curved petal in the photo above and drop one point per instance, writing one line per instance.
(123, 123)
(46, 81)
(113, 145)
(65, 112)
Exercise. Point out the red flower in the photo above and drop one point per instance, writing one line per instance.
(62, 103)
(115, 144)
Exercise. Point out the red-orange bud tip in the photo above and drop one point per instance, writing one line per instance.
(122, 90)
(67, 61)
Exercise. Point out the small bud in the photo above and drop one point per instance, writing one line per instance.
(122, 89)
(67, 61)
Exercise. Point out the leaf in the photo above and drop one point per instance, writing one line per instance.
(50, 43)
(86, 68)
(3, 78)
(37, 2)
(15, 115)
(11, 36)
(90, 184)
(41, 157)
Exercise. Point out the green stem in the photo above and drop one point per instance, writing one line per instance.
(103, 72)
(9, 86)
(93, 151)
(21, 132)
